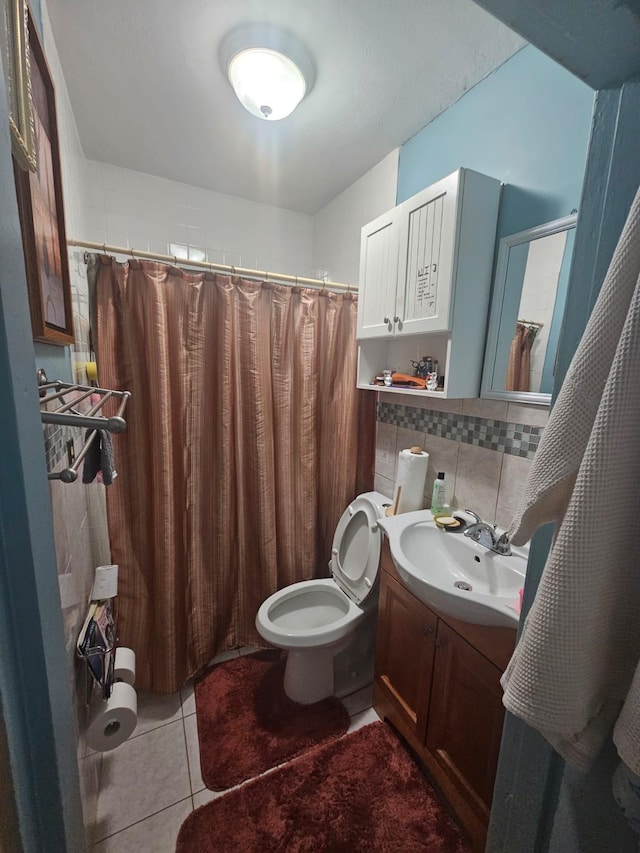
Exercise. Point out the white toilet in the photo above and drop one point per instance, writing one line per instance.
(315, 620)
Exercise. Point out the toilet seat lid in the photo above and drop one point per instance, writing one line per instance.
(355, 553)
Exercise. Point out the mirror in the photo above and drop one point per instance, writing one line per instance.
(527, 309)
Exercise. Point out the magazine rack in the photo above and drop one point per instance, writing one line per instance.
(96, 646)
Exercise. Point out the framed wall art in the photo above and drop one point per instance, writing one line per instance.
(42, 213)
(14, 47)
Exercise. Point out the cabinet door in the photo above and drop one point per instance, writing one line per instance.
(378, 277)
(465, 717)
(426, 264)
(405, 650)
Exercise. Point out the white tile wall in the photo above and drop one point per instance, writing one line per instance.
(70, 147)
(139, 211)
(336, 241)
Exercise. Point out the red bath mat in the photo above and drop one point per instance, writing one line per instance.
(247, 724)
(360, 793)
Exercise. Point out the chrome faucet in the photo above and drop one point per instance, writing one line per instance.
(485, 534)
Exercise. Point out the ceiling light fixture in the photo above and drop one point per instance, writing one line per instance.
(270, 71)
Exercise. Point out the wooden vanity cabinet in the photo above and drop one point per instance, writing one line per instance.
(437, 681)
(404, 623)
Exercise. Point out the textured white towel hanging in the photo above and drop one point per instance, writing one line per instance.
(574, 672)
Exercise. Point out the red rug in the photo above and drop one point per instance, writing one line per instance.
(360, 793)
(247, 724)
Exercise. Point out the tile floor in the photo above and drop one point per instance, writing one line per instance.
(152, 782)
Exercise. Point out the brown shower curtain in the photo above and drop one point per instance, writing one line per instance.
(519, 366)
(246, 439)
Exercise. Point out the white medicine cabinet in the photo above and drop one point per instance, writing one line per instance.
(425, 279)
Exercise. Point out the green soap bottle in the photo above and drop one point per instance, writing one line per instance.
(438, 496)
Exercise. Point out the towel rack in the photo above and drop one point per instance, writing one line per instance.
(67, 415)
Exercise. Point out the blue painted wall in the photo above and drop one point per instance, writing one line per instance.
(527, 124)
(54, 360)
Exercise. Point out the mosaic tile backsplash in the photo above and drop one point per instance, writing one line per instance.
(485, 447)
(505, 437)
(55, 445)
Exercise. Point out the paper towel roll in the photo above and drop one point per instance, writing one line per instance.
(125, 665)
(411, 475)
(112, 721)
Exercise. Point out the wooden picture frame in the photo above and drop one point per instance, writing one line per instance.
(41, 211)
(14, 47)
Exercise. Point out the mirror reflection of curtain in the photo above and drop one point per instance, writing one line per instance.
(532, 275)
(519, 366)
(246, 439)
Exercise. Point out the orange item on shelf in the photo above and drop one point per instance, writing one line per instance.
(405, 379)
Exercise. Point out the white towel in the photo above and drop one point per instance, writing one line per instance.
(575, 669)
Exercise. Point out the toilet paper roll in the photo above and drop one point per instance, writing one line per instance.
(105, 583)
(125, 665)
(112, 721)
(410, 478)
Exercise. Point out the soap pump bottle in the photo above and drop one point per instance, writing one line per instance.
(438, 495)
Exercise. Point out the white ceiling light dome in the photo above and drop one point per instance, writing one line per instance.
(269, 69)
(267, 82)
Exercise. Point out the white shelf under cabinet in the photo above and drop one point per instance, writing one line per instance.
(397, 323)
(461, 366)
(414, 392)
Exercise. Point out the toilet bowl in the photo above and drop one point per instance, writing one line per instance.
(314, 620)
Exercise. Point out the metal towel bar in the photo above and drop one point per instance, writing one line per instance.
(67, 415)
(63, 417)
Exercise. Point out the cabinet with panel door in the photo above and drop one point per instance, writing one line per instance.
(425, 279)
(437, 680)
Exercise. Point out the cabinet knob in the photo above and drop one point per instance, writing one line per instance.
(397, 319)
(440, 642)
(427, 630)
(386, 320)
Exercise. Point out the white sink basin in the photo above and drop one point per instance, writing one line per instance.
(431, 561)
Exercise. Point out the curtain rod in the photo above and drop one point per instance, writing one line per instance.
(242, 271)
